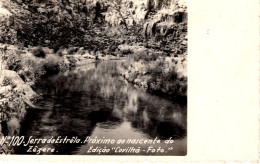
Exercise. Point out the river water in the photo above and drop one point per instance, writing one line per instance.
(95, 101)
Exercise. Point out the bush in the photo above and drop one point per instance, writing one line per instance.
(145, 56)
(156, 73)
(32, 68)
(126, 51)
(51, 64)
(72, 61)
(60, 53)
(13, 60)
(39, 52)
(29, 66)
(72, 50)
(166, 82)
(171, 75)
(13, 105)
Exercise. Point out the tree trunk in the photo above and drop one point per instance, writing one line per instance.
(124, 22)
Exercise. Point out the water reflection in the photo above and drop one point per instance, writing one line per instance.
(94, 101)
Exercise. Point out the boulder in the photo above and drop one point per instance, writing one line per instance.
(4, 90)
(19, 83)
(13, 126)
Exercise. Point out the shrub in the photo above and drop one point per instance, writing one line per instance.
(60, 53)
(13, 60)
(145, 56)
(12, 105)
(126, 51)
(166, 82)
(51, 64)
(72, 50)
(32, 68)
(72, 61)
(171, 75)
(39, 52)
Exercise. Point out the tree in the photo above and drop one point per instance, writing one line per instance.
(117, 5)
(44, 23)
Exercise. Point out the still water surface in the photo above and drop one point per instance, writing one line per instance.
(95, 101)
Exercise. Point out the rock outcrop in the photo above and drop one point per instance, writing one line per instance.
(15, 97)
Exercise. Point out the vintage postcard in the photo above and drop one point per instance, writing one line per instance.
(128, 80)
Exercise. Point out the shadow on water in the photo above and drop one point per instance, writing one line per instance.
(94, 101)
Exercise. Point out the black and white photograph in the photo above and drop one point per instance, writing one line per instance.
(93, 77)
(129, 81)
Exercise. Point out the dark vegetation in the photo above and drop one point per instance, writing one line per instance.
(38, 52)
(146, 57)
(71, 25)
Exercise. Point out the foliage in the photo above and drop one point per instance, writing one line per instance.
(166, 82)
(145, 56)
(44, 23)
(72, 50)
(116, 6)
(13, 60)
(60, 53)
(52, 64)
(72, 61)
(12, 104)
(31, 66)
(161, 78)
(38, 52)
(7, 33)
(126, 51)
